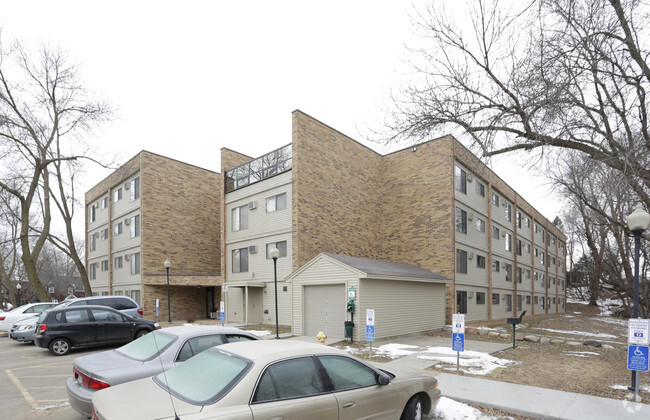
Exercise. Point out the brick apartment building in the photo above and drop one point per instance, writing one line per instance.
(151, 209)
(321, 199)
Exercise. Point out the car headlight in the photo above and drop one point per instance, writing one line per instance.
(25, 327)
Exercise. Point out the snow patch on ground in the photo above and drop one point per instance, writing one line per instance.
(449, 409)
(473, 362)
(581, 353)
(645, 388)
(259, 333)
(582, 333)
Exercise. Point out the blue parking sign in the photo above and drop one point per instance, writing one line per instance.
(637, 358)
(222, 317)
(458, 342)
(370, 333)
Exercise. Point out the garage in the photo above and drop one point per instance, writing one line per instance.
(325, 310)
(406, 299)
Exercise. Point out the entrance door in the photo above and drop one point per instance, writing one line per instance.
(209, 301)
(324, 310)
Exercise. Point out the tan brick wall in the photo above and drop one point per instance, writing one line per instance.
(180, 218)
(186, 302)
(337, 190)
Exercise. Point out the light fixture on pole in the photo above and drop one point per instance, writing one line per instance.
(637, 222)
(275, 254)
(18, 287)
(169, 306)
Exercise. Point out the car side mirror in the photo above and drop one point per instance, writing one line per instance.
(383, 380)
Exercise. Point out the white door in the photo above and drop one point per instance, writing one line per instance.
(324, 309)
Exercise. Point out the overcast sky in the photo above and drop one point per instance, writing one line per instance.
(189, 77)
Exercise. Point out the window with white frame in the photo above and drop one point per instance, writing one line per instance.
(104, 203)
(508, 212)
(134, 190)
(460, 180)
(461, 220)
(480, 225)
(93, 242)
(520, 275)
(480, 189)
(480, 298)
(104, 234)
(277, 202)
(518, 218)
(239, 218)
(117, 195)
(118, 263)
(117, 228)
(135, 295)
(135, 263)
(508, 268)
(520, 299)
(496, 266)
(508, 242)
(496, 298)
(135, 226)
(240, 260)
(508, 303)
(461, 261)
(50, 289)
(105, 265)
(480, 261)
(92, 268)
(495, 199)
(495, 232)
(281, 246)
(92, 213)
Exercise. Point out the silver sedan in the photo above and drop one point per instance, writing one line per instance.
(149, 355)
(24, 330)
(272, 379)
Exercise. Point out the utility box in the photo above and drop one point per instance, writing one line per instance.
(349, 327)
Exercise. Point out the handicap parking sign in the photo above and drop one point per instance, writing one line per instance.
(637, 358)
(370, 333)
(458, 342)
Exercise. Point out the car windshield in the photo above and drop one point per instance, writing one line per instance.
(206, 377)
(147, 346)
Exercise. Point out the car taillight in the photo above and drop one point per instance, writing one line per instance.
(42, 328)
(141, 312)
(88, 382)
(2, 318)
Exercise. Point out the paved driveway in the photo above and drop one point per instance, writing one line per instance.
(32, 382)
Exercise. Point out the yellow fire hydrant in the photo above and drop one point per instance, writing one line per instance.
(321, 337)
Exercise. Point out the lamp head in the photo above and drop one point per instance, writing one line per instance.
(274, 253)
(639, 220)
(167, 263)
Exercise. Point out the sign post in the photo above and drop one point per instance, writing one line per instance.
(638, 338)
(222, 313)
(458, 336)
(370, 327)
(157, 308)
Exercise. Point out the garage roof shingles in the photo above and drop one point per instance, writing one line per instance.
(386, 268)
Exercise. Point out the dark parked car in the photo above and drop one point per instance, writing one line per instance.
(123, 304)
(62, 328)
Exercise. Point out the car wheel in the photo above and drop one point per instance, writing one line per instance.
(413, 409)
(60, 346)
(140, 333)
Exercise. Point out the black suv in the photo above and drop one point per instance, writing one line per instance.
(61, 328)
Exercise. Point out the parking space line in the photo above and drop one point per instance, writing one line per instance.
(28, 397)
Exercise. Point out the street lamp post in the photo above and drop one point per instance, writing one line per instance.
(18, 287)
(275, 253)
(169, 306)
(637, 222)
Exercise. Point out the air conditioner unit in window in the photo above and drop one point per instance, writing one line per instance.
(127, 221)
(470, 177)
(127, 185)
(503, 235)
(470, 216)
(252, 205)
(252, 249)
(470, 255)
(470, 295)
(504, 204)
(127, 257)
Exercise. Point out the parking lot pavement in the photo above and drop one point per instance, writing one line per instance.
(33, 382)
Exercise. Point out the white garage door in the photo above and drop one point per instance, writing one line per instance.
(325, 310)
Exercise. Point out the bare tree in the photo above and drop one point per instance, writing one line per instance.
(43, 108)
(559, 74)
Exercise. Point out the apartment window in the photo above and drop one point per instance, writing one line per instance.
(520, 275)
(553, 260)
(508, 303)
(93, 271)
(518, 219)
(528, 248)
(536, 300)
(508, 212)
(520, 300)
(496, 298)
(117, 195)
(495, 232)
(460, 180)
(536, 276)
(104, 234)
(542, 279)
(50, 289)
(480, 189)
(93, 242)
(134, 189)
(495, 199)
(277, 202)
(117, 229)
(508, 242)
(118, 263)
(496, 266)
(135, 295)
(527, 222)
(536, 252)
(461, 261)
(527, 274)
(508, 268)
(240, 260)
(105, 265)
(135, 226)
(543, 236)
(541, 256)
(461, 302)
(480, 261)
(527, 299)
(92, 213)
(135, 263)
(118, 293)
(519, 246)
(104, 203)
(281, 246)
(480, 225)
(480, 298)
(239, 218)
(461, 220)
